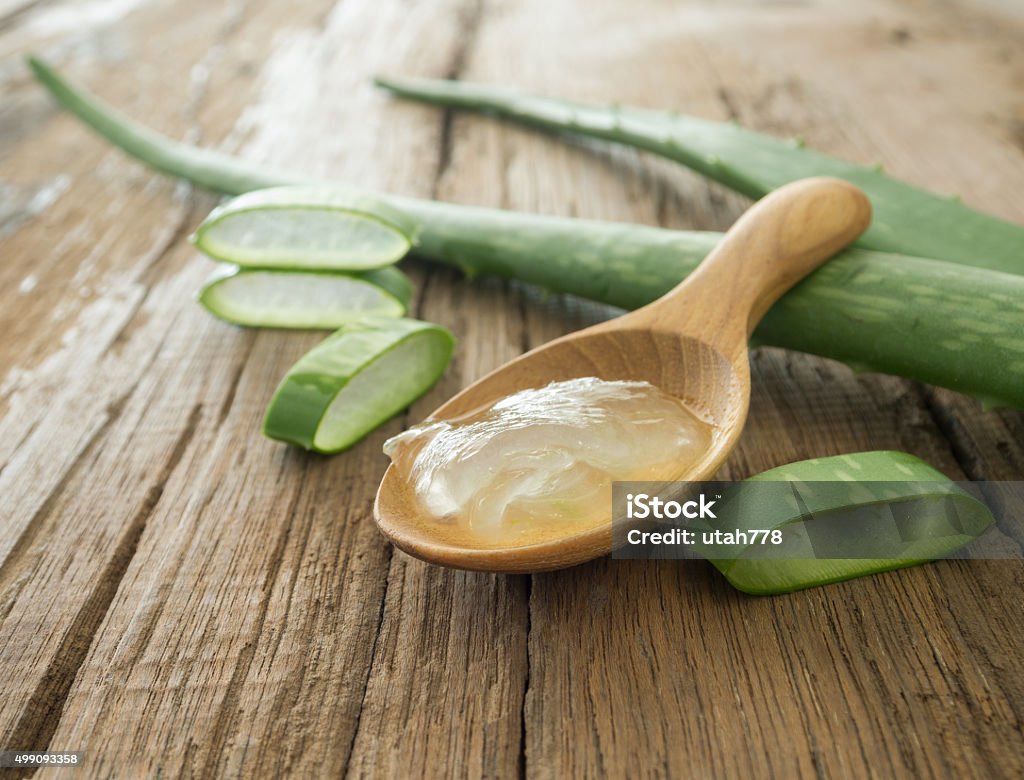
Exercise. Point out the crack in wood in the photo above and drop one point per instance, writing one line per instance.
(236, 378)
(21, 442)
(289, 695)
(971, 462)
(726, 99)
(523, 768)
(470, 18)
(388, 565)
(35, 526)
(44, 708)
(230, 706)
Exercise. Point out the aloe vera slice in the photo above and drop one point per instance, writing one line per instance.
(304, 299)
(907, 220)
(836, 513)
(355, 380)
(306, 227)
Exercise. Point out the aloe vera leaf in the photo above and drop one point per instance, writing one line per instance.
(886, 504)
(355, 380)
(204, 167)
(941, 323)
(907, 220)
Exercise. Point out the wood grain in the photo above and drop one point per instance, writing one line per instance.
(180, 597)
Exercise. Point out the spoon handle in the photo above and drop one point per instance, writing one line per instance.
(778, 241)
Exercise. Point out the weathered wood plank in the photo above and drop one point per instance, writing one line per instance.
(180, 596)
(62, 553)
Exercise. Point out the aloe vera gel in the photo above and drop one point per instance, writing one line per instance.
(541, 462)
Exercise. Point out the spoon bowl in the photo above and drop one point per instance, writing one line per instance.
(691, 343)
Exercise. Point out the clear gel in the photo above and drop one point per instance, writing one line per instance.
(547, 456)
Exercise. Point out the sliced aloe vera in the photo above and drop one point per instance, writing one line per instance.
(355, 380)
(306, 227)
(844, 517)
(304, 299)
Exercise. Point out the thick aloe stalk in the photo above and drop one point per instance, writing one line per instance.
(938, 322)
(907, 220)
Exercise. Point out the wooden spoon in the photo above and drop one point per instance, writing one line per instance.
(692, 343)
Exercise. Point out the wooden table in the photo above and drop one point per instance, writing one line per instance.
(182, 597)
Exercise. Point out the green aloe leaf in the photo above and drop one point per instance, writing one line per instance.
(907, 220)
(843, 517)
